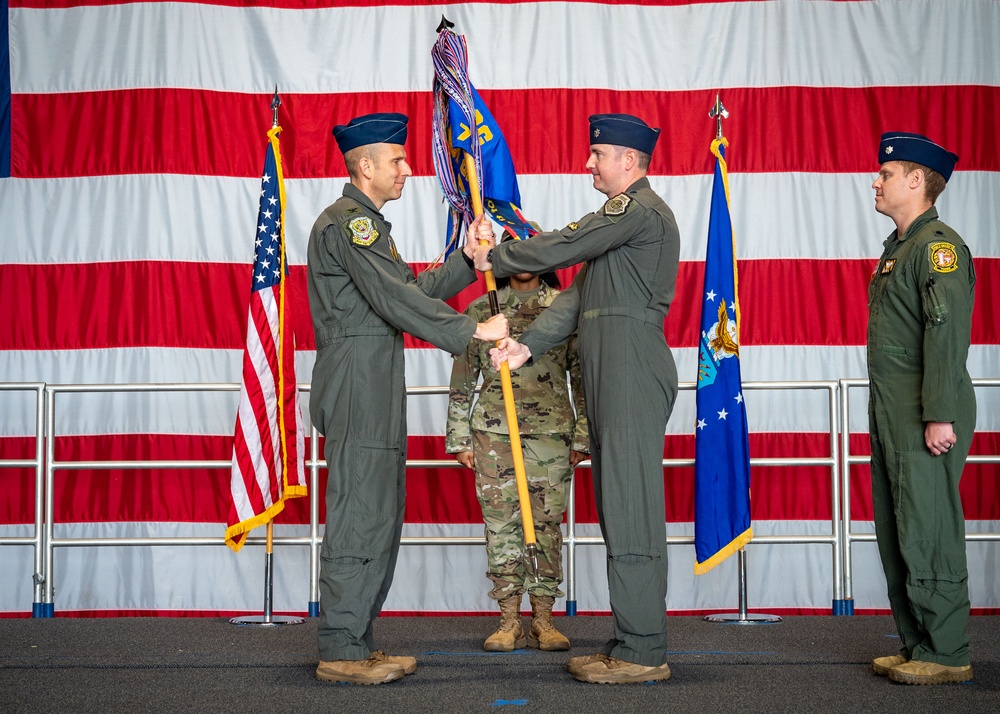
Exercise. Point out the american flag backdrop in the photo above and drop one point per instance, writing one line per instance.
(134, 131)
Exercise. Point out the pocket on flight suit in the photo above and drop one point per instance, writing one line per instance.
(922, 489)
(375, 471)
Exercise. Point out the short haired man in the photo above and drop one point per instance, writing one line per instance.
(363, 296)
(618, 303)
(921, 412)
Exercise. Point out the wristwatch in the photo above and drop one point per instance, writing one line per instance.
(489, 256)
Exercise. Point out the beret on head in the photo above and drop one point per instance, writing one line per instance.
(386, 128)
(623, 130)
(901, 146)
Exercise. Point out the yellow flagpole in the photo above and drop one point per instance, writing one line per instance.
(520, 476)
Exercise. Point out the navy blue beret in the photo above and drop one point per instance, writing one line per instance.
(623, 130)
(901, 146)
(385, 128)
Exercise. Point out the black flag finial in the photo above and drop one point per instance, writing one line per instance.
(446, 24)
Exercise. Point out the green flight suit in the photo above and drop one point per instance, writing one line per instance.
(362, 296)
(618, 303)
(920, 320)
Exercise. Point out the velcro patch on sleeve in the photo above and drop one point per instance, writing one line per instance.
(943, 257)
(616, 206)
(363, 231)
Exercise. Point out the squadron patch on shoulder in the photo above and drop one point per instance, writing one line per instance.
(616, 206)
(889, 265)
(363, 231)
(943, 257)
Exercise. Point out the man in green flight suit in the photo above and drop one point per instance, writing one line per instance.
(921, 413)
(617, 302)
(362, 296)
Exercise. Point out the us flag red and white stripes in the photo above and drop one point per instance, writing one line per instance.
(268, 447)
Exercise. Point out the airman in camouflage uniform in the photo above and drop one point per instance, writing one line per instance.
(553, 440)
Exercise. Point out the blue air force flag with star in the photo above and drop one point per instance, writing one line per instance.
(722, 451)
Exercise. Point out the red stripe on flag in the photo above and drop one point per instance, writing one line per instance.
(433, 495)
(134, 314)
(120, 125)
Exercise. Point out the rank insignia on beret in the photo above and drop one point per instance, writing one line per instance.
(888, 149)
(944, 259)
(889, 265)
(616, 206)
(363, 232)
(597, 133)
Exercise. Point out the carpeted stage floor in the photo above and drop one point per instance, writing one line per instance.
(803, 664)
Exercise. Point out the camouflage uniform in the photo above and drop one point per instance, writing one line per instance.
(548, 428)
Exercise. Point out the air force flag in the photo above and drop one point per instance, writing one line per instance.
(722, 452)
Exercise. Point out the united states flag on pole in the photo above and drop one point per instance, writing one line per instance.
(269, 446)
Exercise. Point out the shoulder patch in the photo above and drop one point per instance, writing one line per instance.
(943, 257)
(573, 226)
(363, 231)
(616, 206)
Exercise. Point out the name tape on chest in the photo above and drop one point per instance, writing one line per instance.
(363, 231)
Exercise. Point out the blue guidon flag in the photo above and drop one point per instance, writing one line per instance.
(722, 450)
(463, 124)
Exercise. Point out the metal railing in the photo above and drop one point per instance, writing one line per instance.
(832, 462)
(52, 465)
(45, 540)
(847, 459)
(37, 540)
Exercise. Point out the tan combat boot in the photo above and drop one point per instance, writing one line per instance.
(543, 634)
(362, 671)
(510, 635)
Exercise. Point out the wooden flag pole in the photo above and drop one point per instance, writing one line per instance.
(520, 477)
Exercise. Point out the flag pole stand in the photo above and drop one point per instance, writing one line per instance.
(268, 619)
(742, 618)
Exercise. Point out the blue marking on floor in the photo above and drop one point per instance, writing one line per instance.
(509, 702)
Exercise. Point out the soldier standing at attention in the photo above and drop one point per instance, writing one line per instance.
(362, 296)
(617, 302)
(921, 413)
(553, 434)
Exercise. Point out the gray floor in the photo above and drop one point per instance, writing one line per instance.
(803, 664)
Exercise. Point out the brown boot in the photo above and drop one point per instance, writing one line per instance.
(510, 635)
(361, 671)
(543, 634)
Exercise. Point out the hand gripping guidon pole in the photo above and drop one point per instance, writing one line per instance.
(520, 477)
